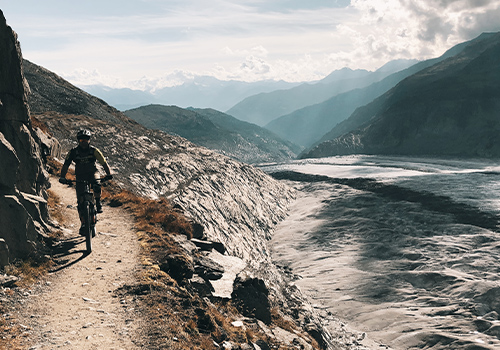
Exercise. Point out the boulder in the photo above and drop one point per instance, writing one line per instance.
(208, 269)
(50, 146)
(179, 266)
(4, 253)
(209, 245)
(251, 297)
(201, 286)
(198, 230)
(8, 281)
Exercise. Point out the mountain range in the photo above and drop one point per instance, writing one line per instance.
(307, 126)
(339, 124)
(450, 108)
(263, 108)
(223, 133)
(199, 91)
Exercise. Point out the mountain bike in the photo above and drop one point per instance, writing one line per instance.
(88, 210)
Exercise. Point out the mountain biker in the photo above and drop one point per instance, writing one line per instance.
(85, 157)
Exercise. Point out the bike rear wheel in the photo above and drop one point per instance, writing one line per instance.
(87, 220)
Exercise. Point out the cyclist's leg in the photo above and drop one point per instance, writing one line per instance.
(96, 187)
(80, 188)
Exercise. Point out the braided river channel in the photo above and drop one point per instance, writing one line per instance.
(404, 249)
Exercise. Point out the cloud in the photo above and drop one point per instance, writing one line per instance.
(246, 39)
(421, 28)
(453, 20)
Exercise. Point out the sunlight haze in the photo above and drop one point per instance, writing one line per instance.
(146, 44)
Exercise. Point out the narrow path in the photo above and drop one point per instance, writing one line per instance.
(77, 306)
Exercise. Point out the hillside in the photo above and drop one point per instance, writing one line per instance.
(227, 204)
(262, 108)
(154, 164)
(448, 109)
(215, 130)
(308, 125)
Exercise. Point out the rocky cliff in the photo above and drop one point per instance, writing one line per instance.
(23, 211)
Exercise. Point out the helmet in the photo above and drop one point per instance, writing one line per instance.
(83, 134)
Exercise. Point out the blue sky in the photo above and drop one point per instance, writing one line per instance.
(154, 43)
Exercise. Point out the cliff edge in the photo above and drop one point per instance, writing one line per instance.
(23, 180)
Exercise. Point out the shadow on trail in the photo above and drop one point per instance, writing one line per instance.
(65, 251)
(463, 213)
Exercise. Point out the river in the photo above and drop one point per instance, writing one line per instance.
(404, 249)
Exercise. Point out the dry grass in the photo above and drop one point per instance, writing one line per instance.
(177, 318)
(42, 126)
(8, 333)
(29, 271)
(156, 216)
(56, 213)
(10, 336)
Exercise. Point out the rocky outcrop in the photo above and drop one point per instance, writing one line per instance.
(251, 298)
(22, 176)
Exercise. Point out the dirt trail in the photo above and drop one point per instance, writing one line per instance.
(77, 306)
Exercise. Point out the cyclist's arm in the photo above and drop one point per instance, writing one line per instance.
(67, 163)
(100, 158)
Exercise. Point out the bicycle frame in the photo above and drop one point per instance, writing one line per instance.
(89, 214)
(87, 210)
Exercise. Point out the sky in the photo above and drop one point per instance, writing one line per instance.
(144, 44)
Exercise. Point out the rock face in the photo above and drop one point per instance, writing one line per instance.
(22, 176)
(250, 296)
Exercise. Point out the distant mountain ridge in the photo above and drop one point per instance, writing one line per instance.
(263, 108)
(199, 92)
(448, 109)
(308, 125)
(223, 133)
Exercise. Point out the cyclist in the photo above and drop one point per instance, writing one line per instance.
(85, 157)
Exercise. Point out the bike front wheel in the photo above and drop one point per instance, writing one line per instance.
(88, 227)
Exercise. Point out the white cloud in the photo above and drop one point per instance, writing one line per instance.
(148, 42)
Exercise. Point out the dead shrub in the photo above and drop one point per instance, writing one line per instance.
(29, 270)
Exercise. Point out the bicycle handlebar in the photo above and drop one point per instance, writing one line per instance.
(69, 182)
